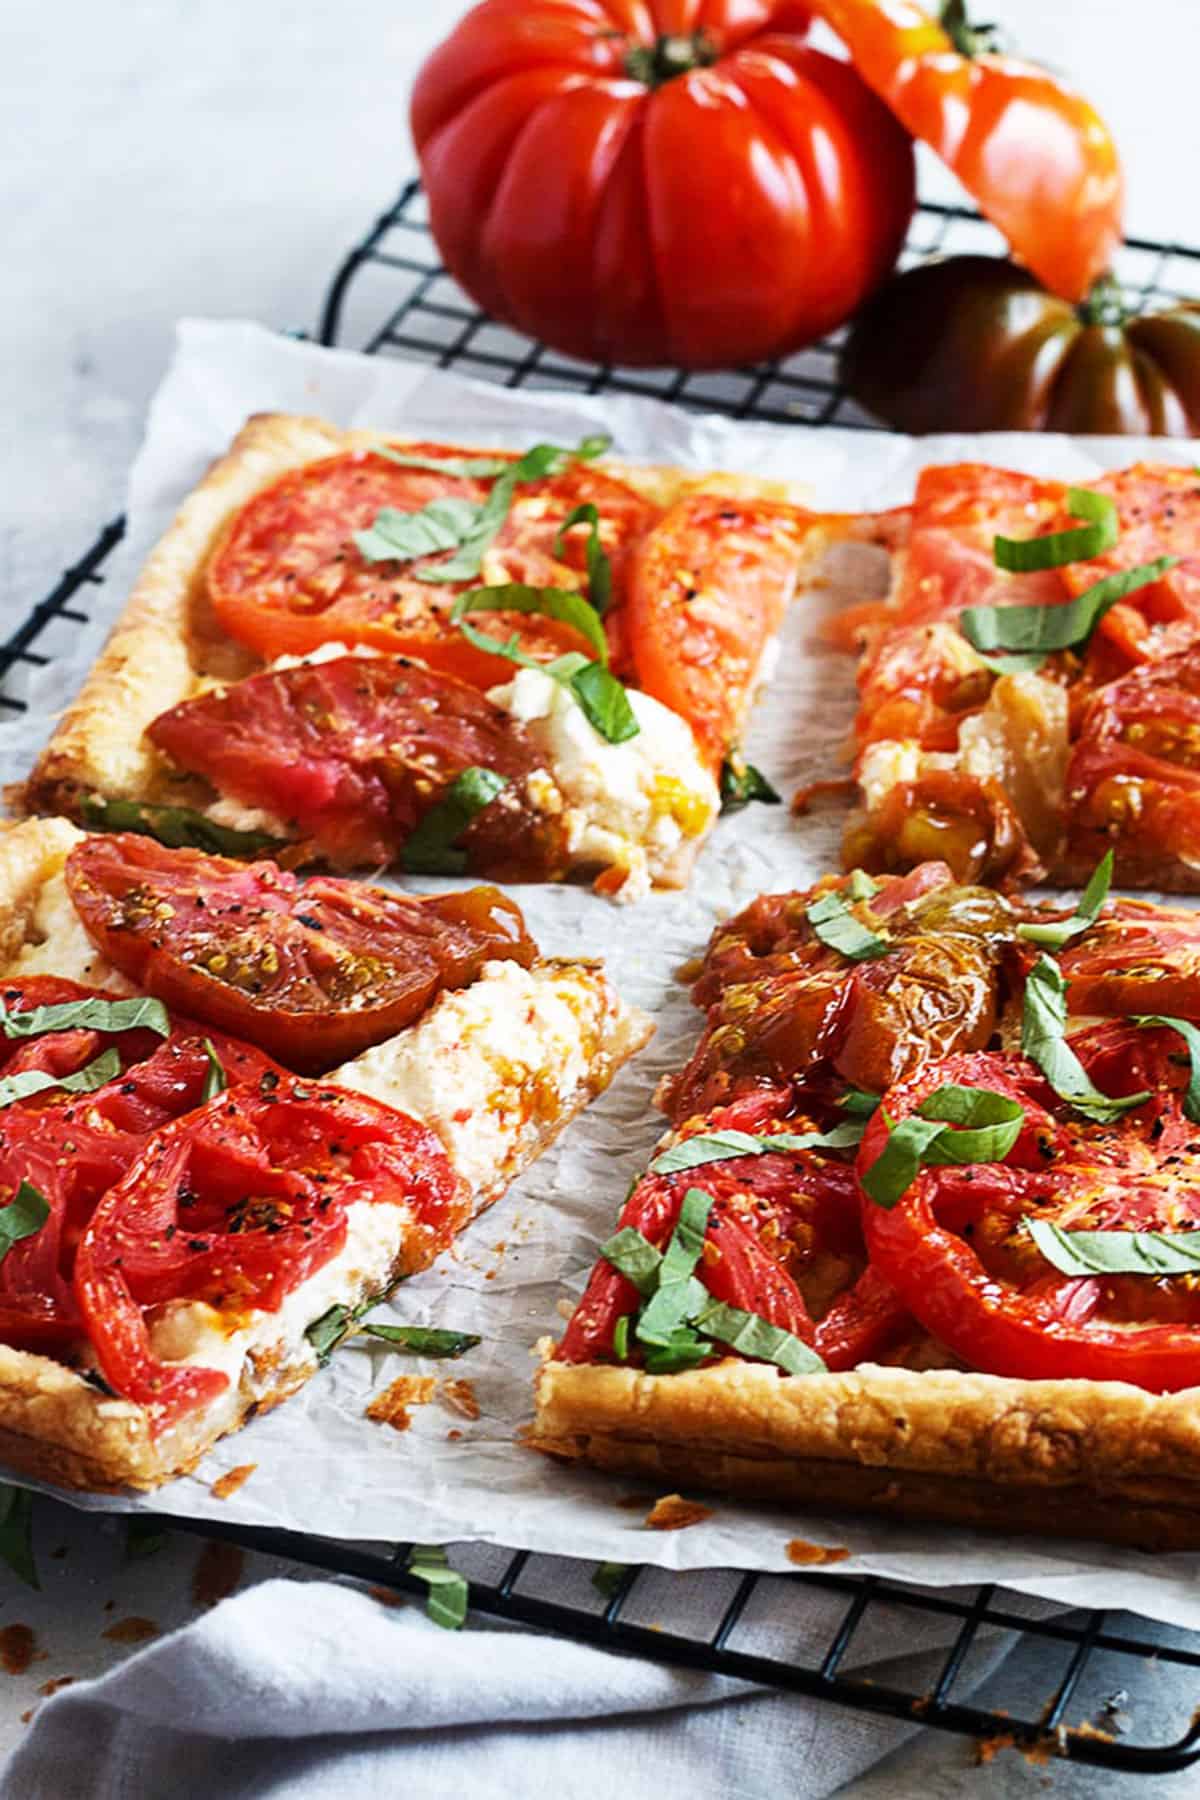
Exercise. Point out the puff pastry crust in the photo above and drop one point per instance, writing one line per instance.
(56, 1423)
(165, 643)
(1067, 1458)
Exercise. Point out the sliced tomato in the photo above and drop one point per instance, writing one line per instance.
(354, 752)
(235, 1205)
(312, 971)
(967, 821)
(1136, 958)
(1133, 782)
(709, 588)
(955, 1250)
(782, 1004)
(1158, 509)
(288, 576)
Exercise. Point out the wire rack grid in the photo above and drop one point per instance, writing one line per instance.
(392, 297)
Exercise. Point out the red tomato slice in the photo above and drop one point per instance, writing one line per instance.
(287, 575)
(783, 1005)
(953, 1249)
(709, 589)
(1158, 508)
(313, 971)
(1136, 958)
(236, 1205)
(352, 753)
(1133, 782)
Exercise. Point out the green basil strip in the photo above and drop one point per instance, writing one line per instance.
(858, 885)
(216, 1081)
(449, 1595)
(442, 524)
(1045, 629)
(430, 849)
(683, 1349)
(635, 1257)
(327, 1332)
(860, 1103)
(1055, 933)
(752, 1336)
(92, 1014)
(16, 1532)
(1191, 1037)
(741, 783)
(607, 1578)
(471, 467)
(1117, 1252)
(1043, 1039)
(606, 705)
(599, 568)
(989, 1124)
(178, 827)
(836, 926)
(720, 1146)
(564, 604)
(678, 1294)
(23, 1217)
(621, 1337)
(424, 1340)
(102, 1068)
(1021, 556)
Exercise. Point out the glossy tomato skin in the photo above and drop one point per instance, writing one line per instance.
(311, 971)
(235, 1205)
(973, 343)
(953, 1248)
(1035, 155)
(580, 191)
(355, 751)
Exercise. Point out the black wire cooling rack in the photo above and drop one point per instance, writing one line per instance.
(392, 297)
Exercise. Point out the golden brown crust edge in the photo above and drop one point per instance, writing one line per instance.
(1073, 1458)
(165, 639)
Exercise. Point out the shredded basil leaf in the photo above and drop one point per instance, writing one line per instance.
(607, 1578)
(216, 1081)
(564, 604)
(621, 1337)
(720, 1146)
(443, 524)
(449, 1595)
(23, 1217)
(836, 926)
(755, 1337)
(178, 827)
(430, 849)
(988, 1123)
(860, 1103)
(1191, 1037)
(1117, 1252)
(1054, 934)
(741, 783)
(92, 1014)
(534, 465)
(1041, 630)
(677, 1294)
(327, 1332)
(605, 703)
(16, 1532)
(424, 1340)
(1043, 1039)
(599, 568)
(102, 1068)
(1020, 556)
(634, 1257)
(683, 1349)
(471, 467)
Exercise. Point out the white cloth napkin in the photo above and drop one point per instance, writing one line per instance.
(314, 1690)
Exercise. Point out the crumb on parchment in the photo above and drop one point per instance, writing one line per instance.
(806, 1555)
(231, 1481)
(390, 1407)
(674, 1513)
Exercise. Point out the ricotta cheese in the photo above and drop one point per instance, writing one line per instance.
(629, 806)
(57, 944)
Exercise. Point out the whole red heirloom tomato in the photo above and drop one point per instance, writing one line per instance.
(658, 181)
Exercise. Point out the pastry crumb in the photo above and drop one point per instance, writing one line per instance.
(16, 1648)
(387, 1596)
(56, 1681)
(459, 1395)
(453, 1435)
(133, 1630)
(809, 1555)
(673, 1513)
(391, 1406)
(231, 1481)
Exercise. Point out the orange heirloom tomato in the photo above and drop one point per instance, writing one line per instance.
(658, 181)
(1037, 158)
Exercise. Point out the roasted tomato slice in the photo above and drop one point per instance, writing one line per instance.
(709, 589)
(783, 1241)
(967, 821)
(313, 971)
(956, 1251)
(73, 1147)
(1136, 958)
(1133, 782)
(232, 1207)
(287, 576)
(1158, 508)
(781, 1003)
(353, 753)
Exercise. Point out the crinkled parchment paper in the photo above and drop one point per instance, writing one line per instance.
(320, 1465)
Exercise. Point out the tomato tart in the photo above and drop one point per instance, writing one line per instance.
(236, 1107)
(924, 1235)
(1029, 690)
(353, 650)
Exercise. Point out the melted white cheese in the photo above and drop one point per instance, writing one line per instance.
(57, 944)
(629, 806)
